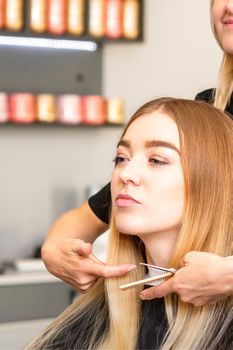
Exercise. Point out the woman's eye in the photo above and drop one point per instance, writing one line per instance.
(157, 162)
(118, 160)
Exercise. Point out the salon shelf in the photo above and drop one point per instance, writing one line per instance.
(99, 41)
(57, 125)
(26, 32)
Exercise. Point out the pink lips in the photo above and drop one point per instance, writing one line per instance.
(228, 22)
(125, 200)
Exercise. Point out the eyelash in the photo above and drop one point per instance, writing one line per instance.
(154, 161)
(118, 160)
(157, 162)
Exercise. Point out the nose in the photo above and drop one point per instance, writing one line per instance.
(130, 174)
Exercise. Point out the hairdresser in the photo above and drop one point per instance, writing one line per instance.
(203, 277)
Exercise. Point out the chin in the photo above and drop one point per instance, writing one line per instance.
(129, 227)
(228, 46)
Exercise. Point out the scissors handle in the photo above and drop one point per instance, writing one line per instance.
(172, 270)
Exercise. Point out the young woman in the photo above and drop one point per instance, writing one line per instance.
(168, 183)
(68, 257)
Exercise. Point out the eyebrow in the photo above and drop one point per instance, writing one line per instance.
(151, 144)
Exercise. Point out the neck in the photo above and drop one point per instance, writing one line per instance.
(159, 247)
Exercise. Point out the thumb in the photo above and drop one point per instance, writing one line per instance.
(84, 249)
(189, 257)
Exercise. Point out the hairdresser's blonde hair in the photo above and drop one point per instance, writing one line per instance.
(108, 318)
(225, 78)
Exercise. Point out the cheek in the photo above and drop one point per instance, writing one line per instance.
(217, 14)
(170, 199)
(114, 183)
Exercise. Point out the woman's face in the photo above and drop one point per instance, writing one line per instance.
(147, 182)
(222, 16)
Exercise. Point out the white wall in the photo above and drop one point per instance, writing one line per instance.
(179, 57)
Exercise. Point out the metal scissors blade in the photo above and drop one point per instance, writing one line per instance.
(160, 268)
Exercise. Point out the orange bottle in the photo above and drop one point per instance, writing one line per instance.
(38, 15)
(94, 110)
(22, 108)
(56, 16)
(14, 15)
(97, 18)
(115, 110)
(2, 13)
(131, 19)
(75, 17)
(46, 108)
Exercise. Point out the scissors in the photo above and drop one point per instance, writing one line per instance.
(152, 281)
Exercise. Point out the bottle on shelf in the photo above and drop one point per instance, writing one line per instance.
(75, 17)
(131, 19)
(97, 18)
(14, 17)
(46, 108)
(94, 110)
(38, 14)
(114, 18)
(22, 108)
(69, 109)
(4, 116)
(2, 13)
(115, 110)
(56, 16)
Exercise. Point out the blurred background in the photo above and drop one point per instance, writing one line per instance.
(55, 152)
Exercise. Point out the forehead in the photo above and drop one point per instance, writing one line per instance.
(154, 126)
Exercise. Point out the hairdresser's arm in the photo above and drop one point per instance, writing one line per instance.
(67, 256)
(203, 278)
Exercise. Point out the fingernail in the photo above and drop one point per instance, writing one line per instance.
(85, 245)
(142, 297)
(131, 267)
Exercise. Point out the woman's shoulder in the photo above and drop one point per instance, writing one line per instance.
(208, 96)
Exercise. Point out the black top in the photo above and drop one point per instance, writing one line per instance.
(152, 329)
(153, 324)
(100, 202)
(208, 96)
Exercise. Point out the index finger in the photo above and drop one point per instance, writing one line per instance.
(157, 291)
(103, 270)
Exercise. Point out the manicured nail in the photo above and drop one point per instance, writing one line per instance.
(131, 267)
(142, 296)
(84, 245)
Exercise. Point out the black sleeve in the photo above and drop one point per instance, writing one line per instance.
(206, 95)
(100, 203)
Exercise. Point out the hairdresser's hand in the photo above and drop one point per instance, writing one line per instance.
(204, 278)
(72, 261)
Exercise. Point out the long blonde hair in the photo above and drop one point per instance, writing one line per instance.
(225, 78)
(107, 318)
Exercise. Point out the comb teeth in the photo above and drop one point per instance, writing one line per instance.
(152, 281)
(156, 283)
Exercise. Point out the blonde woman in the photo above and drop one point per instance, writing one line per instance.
(222, 24)
(168, 183)
(66, 254)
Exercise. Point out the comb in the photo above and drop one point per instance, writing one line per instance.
(152, 281)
